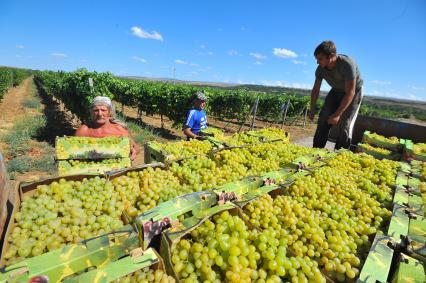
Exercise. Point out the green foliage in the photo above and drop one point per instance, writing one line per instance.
(387, 111)
(10, 77)
(393, 111)
(141, 134)
(169, 100)
(73, 88)
(22, 132)
(174, 101)
(22, 164)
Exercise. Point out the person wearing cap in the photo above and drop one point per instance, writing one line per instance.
(103, 123)
(343, 101)
(196, 119)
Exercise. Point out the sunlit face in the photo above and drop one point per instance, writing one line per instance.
(200, 104)
(100, 114)
(324, 61)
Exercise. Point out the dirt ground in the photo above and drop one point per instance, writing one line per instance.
(11, 108)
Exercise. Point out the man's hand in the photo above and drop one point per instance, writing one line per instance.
(134, 149)
(333, 119)
(133, 154)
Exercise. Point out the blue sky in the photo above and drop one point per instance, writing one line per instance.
(257, 42)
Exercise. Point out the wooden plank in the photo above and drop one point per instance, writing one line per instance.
(4, 193)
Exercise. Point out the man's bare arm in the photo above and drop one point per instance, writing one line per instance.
(82, 131)
(134, 147)
(314, 97)
(189, 133)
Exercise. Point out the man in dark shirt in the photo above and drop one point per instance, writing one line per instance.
(344, 99)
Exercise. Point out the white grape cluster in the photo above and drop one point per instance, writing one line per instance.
(329, 216)
(225, 249)
(147, 275)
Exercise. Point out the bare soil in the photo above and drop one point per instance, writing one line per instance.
(11, 108)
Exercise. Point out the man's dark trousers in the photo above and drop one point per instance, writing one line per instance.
(345, 124)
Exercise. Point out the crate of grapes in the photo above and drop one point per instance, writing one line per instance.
(391, 143)
(18, 217)
(270, 134)
(187, 249)
(57, 207)
(415, 151)
(87, 155)
(418, 169)
(378, 152)
(108, 257)
(226, 248)
(78, 166)
(92, 148)
(175, 151)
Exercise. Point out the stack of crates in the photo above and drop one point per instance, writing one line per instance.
(381, 147)
(87, 155)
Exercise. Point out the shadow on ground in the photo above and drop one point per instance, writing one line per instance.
(58, 123)
(161, 132)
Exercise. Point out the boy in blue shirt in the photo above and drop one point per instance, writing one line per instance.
(196, 119)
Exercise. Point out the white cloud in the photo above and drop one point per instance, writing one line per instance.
(59, 55)
(300, 85)
(258, 63)
(205, 69)
(285, 84)
(377, 82)
(18, 56)
(205, 53)
(297, 62)
(194, 64)
(284, 53)
(140, 59)
(415, 97)
(202, 46)
(233, 52)
(19, 46)
(392, 94)
(137, 31)
(178, 61)
(417, 88)
(258, 56)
